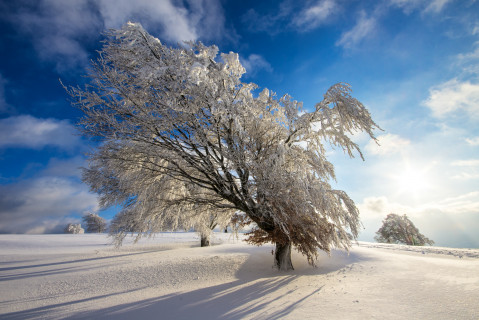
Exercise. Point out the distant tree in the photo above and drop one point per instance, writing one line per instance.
(94, 223)
(182, 138)
(74, 229)
(208, 222)
(399, 229)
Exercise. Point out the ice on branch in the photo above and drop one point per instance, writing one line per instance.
(184, 142)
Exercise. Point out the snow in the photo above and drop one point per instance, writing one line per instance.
(171, 277)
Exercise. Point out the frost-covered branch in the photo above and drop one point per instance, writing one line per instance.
(182, 138)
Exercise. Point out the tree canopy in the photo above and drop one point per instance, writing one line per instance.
(94, 223)
(399, 229)
(74, 228)
(181, 136)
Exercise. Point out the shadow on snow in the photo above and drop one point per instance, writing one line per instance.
(253, 291)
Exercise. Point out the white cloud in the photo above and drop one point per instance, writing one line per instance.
(375, 205)
(364, 28)
(60, 29)
(50, 225)
(464, 57)
(461, 204)
(466, 163)
(406, 5)
(473, 141)
(207, 18)
(468, 62)
(470, 168)
(427, 6)
(315, 15)
(291, 15)
(29, 132)
(466, 176)
(454, 96)
(46, 202)
(175, 22)
(475, 30)
(40, 204)
(464, 203)
(65, 168)
(436, 6)
(389, 144)
(380, 207)
(254, 63)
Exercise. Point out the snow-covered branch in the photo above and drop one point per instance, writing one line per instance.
(182, 137)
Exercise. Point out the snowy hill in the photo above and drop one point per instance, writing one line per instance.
(171, 277)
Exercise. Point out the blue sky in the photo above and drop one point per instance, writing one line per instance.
(413, 63)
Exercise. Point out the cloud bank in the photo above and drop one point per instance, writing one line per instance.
(29, 132)
(45, 203)
(292, 16)
(454, 97)
(60, 34)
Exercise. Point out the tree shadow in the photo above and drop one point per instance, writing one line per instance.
(254, 291)
(64, 269)
(235, 300)
(258, 289)
(52, 311)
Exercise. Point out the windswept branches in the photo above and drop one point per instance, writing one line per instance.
(184, 140)
(335, 119)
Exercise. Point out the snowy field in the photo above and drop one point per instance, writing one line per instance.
(171, 277)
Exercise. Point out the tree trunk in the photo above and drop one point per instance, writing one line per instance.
(205, 240)
(282, 256)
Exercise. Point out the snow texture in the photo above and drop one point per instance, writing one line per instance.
(84, 276)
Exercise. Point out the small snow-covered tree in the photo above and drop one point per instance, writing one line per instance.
(399, 229)
(208, 221)
(182, 137)
(94, 223)
(74, 229)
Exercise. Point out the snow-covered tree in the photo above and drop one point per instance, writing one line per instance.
(399, 229)
(94, 223)
(208, 221)
(182, 137)
(74, 229)
(131, 220)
